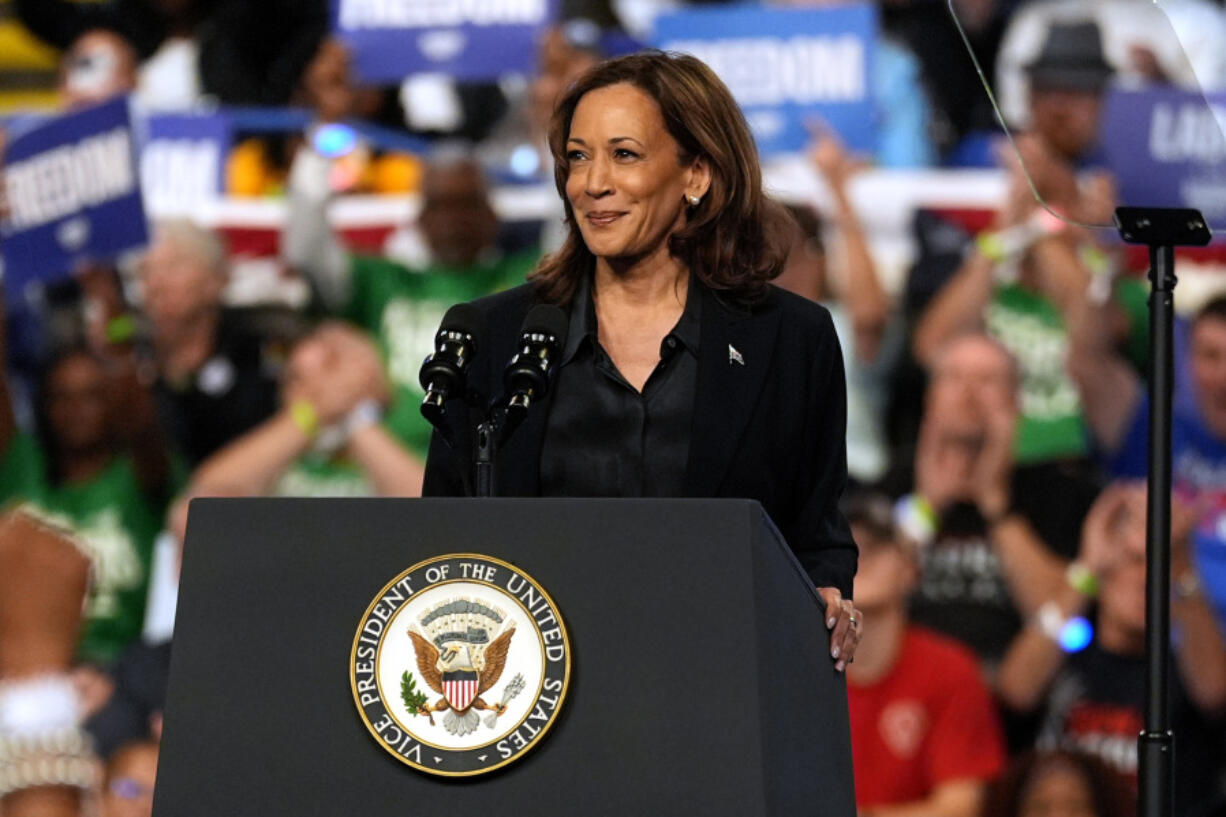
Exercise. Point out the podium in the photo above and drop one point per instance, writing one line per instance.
(700, 682)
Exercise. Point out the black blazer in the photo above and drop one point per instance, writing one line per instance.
(771, 429)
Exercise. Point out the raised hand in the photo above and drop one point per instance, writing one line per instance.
(335, 369)
(992, 472)
(831, 157)
(1114, 526)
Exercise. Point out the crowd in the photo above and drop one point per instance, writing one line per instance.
(998, 401)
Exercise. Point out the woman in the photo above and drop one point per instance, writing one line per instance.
(684, 372)
(97, 467)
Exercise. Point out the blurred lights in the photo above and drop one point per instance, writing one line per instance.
(525, 162)
(1076, 634)
(335, 140)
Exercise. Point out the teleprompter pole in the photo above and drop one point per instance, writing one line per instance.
(1160, 229)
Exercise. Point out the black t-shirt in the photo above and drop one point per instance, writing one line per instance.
(236, 388)
(1095, 705)
(962, 591)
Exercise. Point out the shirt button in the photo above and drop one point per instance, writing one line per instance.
(671, 342)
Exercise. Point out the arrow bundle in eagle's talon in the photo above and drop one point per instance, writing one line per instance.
(512, 689)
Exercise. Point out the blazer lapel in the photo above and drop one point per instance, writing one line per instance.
(735, 353)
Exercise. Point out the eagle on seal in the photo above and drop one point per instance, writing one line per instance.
(460, 661)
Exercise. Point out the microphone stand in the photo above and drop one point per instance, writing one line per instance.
(526, 377)
(486, 454)
(1161, 229)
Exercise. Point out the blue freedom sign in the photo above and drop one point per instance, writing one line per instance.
(183, 162)
(468, 39)
(73, 194)
(1166, 149)
(787, 66)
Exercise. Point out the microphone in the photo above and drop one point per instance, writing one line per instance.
(528, 373)
(445, 372)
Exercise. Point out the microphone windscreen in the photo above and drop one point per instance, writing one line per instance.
(547, 319)
(464, 318)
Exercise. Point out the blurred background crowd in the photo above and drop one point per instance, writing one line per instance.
(265, 341)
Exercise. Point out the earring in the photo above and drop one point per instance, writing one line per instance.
(694, 200)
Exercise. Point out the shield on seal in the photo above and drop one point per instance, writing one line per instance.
(459, 688)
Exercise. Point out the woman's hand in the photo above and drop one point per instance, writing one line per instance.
(846, 625)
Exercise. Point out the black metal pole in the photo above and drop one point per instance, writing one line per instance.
(1156, 744)
(1161, 229)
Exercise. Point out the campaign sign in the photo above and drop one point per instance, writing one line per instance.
(73, 193)
(787, 66)
(1166, 149)
(469, 39)
(183, 162)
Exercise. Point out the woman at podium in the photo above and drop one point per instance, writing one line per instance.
(683, 372)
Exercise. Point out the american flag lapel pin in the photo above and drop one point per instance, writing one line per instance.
(734, 356)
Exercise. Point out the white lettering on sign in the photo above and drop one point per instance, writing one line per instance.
(357, 14)
(1187, 132)
(179, 175)
(774, 71)
(64, 180)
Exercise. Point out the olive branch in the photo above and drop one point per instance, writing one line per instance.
(413, 698)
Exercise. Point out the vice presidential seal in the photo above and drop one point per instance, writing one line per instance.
(460, 665)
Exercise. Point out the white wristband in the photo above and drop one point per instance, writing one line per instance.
(366, 413)
(1051, 620)
(35, 705)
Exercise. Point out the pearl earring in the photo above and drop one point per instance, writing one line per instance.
(693, 200)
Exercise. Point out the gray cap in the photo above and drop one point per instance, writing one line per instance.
(1071, 59)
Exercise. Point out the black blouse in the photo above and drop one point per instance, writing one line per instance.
(604, 437)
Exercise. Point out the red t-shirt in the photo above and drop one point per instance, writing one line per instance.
(929, 721)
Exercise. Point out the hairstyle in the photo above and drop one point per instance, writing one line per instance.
(809, 223)
(43, 432)
(454, 154)
(736, 239)
(1110, 796)
(194, 239)
(1214, 308)
(1015, 370)
(453, 158)
(872, 511)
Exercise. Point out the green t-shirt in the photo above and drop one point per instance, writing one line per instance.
(402, 308)
(116, 524)
(1051, 425)
(319, 475)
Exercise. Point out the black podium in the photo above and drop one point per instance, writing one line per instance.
(701, 681)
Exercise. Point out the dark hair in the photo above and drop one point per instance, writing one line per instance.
(1214, 308)
(47, 440)
(736, 239)
(872, 511)
(809, 222)
(1110, 795)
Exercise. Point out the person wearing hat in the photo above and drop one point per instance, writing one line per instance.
(1018, 282)
(1067, 81)
(1172, 42)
